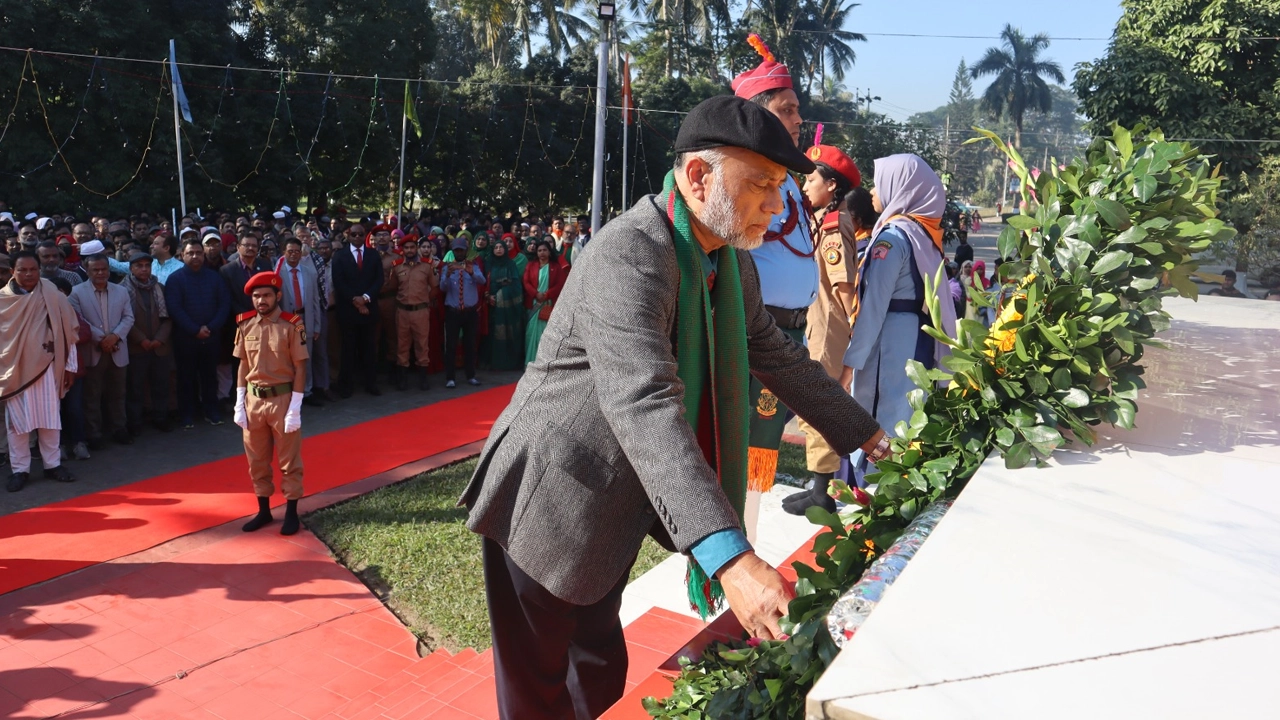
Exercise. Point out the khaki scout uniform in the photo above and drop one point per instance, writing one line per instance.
(413, 284)
(387, 308)
(828, 330)
(270, 346)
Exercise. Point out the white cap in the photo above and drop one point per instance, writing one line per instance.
(43, 223)
(6, 216)
(93, 247)
(279, 215)
(286, 209)
(31, 216)
(213, 235)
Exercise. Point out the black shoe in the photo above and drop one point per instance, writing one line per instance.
(290, 524)
(16, 481)
(123, 438)
(798, 503)
(322, 394)
(60, 473)
(402, 379)
(373, 390)
(262, 518)
(312, 401)
(164, 426)
(96, 444)
(214, 420)
(423, 382)
(345, 393)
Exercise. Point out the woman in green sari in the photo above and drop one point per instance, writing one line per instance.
(543, 280)
(506, 311)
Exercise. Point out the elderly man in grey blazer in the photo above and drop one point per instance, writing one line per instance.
(301, 296)
(598, 448)
(109, 312)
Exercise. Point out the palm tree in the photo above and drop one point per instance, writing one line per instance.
(1018, 86)
(830, 42)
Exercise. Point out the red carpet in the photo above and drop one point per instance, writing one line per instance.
(45, 542)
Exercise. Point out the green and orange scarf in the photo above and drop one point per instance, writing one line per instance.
(711, 347)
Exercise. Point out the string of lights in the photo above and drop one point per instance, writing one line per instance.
(373, 109)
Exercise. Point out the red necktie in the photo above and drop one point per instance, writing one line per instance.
(360, 258)
(297, 291)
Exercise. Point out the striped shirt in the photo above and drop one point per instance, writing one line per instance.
(39, 406)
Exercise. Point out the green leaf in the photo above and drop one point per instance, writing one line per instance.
(1123, 338)
(774, 686)
(1113, 260)
(1008, 243)
(1062, 378)
(1004, 437)
(1017, 456)
(1075, 398)
(1041, 435)
(1113, 213)
(1144, 187)
(1124, 142)
(1022, 222)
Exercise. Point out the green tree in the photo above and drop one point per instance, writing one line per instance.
(1019, 84)
(1205, 69)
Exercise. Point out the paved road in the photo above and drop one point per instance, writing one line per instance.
(156, 453)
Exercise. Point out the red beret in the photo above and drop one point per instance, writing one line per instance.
(265, 278)
(770, 75)
(835, 159)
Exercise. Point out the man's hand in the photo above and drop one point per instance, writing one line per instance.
(846, 378)
(204, 333)
(757, 594)
(358, 301)
(109, 343)
(68, 379)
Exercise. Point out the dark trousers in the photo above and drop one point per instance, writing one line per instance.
(104, 386)
(197, 362)
(552, 659)
(148, 376)
(72, 412)
(358, 356)
(467, 323)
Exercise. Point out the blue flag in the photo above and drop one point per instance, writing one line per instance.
(177, 84)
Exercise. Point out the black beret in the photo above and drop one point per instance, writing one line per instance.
(730, 121)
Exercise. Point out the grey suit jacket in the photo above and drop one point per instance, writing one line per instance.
(118, 322)
(312, 308)
(594, 450)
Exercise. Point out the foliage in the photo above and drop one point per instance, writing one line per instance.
(1195, 69)
(410, 543)
(1254, 211)
(1081, 301)
(1019, 84)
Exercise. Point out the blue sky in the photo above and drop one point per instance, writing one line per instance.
(914, 74)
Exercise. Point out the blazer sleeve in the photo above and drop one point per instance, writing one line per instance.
(626, 336)
(96, 331)
(121, 299)
(784, 367)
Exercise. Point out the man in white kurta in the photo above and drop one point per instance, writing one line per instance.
(38, 333)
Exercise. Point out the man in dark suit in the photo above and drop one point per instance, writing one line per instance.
(357, 279)
(239, 268)
(600, 446)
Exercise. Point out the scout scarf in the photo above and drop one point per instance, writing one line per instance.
(711, 347)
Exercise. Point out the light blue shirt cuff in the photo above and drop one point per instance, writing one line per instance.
(717, 549)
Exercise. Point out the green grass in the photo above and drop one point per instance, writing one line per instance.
(791, 462)
(410, 544)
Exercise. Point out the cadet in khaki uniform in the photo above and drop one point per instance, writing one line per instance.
(414, 282)
(827, 327)
(272, 347)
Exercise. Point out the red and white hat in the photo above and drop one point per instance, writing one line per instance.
(769, 75)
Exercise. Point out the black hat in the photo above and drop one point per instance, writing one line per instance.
(730, 121)
(138, 256)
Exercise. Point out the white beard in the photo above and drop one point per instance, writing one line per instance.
(718, 216)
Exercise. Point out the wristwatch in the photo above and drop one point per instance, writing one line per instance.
(880, 451)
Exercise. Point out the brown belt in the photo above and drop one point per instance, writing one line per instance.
(266, 391)
(411, 308)
(788, 319)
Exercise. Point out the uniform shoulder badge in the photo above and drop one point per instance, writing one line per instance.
(398, 262)
(246, 316)
(290, 317)
(880, 250)
(831, 221)
(832, 256)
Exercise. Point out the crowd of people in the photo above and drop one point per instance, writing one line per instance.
(151, 311)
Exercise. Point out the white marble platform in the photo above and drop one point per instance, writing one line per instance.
(1136, 579)
(779, 535)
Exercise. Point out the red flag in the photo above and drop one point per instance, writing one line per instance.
(628, 104)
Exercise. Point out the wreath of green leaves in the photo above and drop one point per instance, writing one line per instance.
(1079, 299)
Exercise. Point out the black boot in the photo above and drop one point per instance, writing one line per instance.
(402, 378)
(290, 524)
(262, 518)
(798, 503)
(423, 382)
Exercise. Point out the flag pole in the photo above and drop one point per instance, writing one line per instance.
(177, 136)
(626, 127)
(404, 130)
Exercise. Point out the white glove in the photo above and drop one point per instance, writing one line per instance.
(293, 418)
(241, 417)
